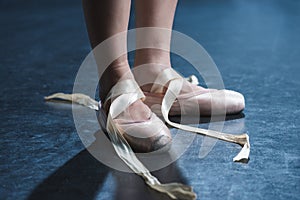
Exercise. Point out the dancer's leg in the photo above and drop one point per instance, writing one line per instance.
(105, 18)
(160, 14)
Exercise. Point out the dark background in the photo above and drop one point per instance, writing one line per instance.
(254, 43)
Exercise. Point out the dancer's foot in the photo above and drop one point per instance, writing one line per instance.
(209, 101)
(143, 130)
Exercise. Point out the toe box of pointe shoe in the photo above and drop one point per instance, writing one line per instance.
(148, 136)
(235, 102)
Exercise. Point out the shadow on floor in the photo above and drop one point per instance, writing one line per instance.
(83, 176)
(79, 178)
(205, 119)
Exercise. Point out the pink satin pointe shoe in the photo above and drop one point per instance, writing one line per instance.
(192, 100)
(145, 135)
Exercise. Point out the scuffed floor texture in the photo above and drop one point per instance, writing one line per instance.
(254, 43)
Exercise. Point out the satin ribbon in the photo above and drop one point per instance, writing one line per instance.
(131, 93)
(125, 93)
(175, 84)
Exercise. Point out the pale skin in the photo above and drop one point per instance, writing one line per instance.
(105, 18)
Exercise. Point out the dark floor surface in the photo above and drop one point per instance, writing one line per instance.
(254, 43)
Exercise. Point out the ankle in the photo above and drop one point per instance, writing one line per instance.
(146, 56)
(117, 71)
(148, 64)
(146, 74)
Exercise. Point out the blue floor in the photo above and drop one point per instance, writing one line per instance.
(255, 45)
